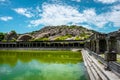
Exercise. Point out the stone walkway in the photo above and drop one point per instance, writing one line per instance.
(95, 69)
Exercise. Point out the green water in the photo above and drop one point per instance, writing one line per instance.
(42, 65)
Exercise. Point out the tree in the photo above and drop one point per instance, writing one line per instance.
(14, 32)
(1, 36)
(11, 36)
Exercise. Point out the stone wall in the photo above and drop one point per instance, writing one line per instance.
(118, 46)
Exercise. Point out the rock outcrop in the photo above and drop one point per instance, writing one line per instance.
(52, 32)
(24, 37)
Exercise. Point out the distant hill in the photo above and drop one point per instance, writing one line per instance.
(62, 32)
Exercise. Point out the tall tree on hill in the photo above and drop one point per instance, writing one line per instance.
(11, 36)
(1, 36)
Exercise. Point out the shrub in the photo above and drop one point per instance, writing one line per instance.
(41, 39)
(4, 40)
(63, 37)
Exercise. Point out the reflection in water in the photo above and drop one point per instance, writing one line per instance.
(44, 67)
(11, 58)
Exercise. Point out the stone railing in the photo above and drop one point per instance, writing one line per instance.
(113, 65)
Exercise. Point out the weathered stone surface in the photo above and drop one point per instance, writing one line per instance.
(116, 41)
(98, 72)
(42, 35)
(105, 42)
(25, 37)
(115, 34)
(55, 31)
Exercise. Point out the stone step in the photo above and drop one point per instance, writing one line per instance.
(101, 75)
(96, 76)
(91, 75)
(97, 69)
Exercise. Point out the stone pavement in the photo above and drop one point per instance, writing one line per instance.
(95, 69)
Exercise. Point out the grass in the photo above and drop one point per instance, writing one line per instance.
(40, 51)
(102, 55)
(41, 39)
(63, 37)
(118, 58)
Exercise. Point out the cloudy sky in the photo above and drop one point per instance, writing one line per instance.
(30, 15)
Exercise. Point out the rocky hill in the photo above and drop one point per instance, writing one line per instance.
(55, 33)
(62, 33)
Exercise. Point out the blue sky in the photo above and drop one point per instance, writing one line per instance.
(30, 15)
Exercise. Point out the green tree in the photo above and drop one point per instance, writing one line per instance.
(13, 31)
(11, 36)
(1, 36)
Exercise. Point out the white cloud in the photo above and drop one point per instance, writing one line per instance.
(6, 18)
(92, 18)
(2, 0)
(54, 14)
(87, 26)
(63, 15)
(115, 18)
(5, 2)
(106, 1)
(38, 9)
(76, 0)
(58, 15)
(114, 15)
(24, 11)
(116, 7)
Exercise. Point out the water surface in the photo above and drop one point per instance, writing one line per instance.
(42, 66)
